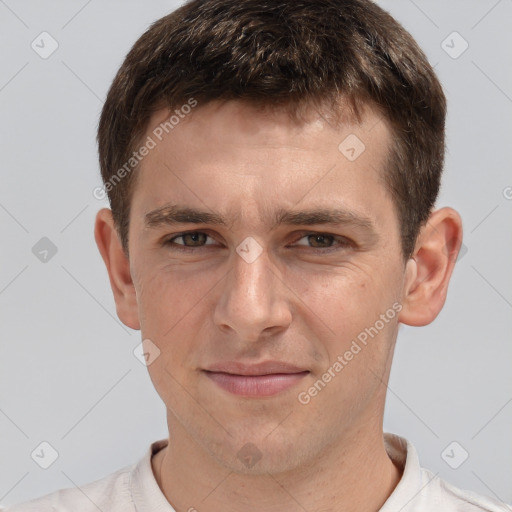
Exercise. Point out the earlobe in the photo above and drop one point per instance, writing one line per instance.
(118, 268)
(429, 270)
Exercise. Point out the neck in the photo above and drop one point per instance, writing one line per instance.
(355, 475)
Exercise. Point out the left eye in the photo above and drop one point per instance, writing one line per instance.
(322, 240)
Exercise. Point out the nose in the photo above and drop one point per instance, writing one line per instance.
(254, 300)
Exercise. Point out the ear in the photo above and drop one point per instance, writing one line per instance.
(429, 269)
(118, 268)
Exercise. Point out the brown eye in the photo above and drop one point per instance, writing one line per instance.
(195, 239)
(189, 240)
(320, 241)
(323, 241)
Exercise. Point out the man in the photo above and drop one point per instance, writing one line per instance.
(272, 169)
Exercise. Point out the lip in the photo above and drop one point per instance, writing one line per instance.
(255, 380)
(263, 368)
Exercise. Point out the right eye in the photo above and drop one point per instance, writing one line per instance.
(189, 240)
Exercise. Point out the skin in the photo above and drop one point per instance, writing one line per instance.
(301, 301)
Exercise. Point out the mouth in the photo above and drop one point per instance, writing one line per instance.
(258, 380)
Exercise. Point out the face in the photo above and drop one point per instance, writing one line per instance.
(273, 306)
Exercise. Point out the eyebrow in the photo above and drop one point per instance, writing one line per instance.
(169, 215)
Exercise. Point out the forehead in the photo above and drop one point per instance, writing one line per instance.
(253, 124)
(235, 157)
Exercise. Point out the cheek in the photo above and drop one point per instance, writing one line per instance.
(169, 294)
(175, 307)
(355, 325)
(173, 314)
(340, 306)
(338, 294)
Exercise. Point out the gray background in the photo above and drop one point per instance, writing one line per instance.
(68, 375)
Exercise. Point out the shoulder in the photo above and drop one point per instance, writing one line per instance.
(110, 493)
(129, 489)
(420, 490)
(449, 498)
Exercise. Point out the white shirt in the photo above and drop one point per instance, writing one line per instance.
(134, 489)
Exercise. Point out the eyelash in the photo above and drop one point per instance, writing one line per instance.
(342, 241)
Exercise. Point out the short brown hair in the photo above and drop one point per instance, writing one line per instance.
(291, 53)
